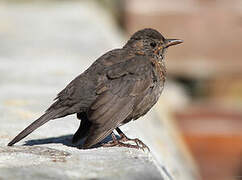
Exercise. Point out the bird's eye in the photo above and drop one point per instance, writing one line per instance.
(153, 44)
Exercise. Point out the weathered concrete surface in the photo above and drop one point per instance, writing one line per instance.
(59, 162)
(42, 48)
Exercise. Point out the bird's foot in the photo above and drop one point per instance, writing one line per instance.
(138, 142)
(120, 142)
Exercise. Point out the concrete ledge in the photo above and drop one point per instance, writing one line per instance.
(40, 162)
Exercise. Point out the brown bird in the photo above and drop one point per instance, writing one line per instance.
(120, 86)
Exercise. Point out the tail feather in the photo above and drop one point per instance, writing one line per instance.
(36, 124)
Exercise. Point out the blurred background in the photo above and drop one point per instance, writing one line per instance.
(203, 93)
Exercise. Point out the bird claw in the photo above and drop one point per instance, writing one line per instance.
(120, 143)
(124, 138)
(139, 143)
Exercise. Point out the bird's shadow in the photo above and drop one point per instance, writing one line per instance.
(65, 140)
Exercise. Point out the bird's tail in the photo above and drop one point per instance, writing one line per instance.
(36, 124)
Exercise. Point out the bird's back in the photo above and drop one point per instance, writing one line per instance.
(80, 93)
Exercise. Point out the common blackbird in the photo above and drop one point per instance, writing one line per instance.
(120, 86)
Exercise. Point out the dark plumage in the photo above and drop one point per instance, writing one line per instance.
(120, 86)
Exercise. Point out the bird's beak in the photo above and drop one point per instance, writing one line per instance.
(172, 42)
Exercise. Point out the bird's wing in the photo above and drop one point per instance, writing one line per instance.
(127, 82)
(76, 96)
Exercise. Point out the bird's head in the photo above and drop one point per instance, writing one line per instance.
(150, 42)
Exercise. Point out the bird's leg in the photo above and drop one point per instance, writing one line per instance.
(117, 142)
(124, 138)
(112, 143)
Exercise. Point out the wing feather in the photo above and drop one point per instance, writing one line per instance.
(127, 82)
